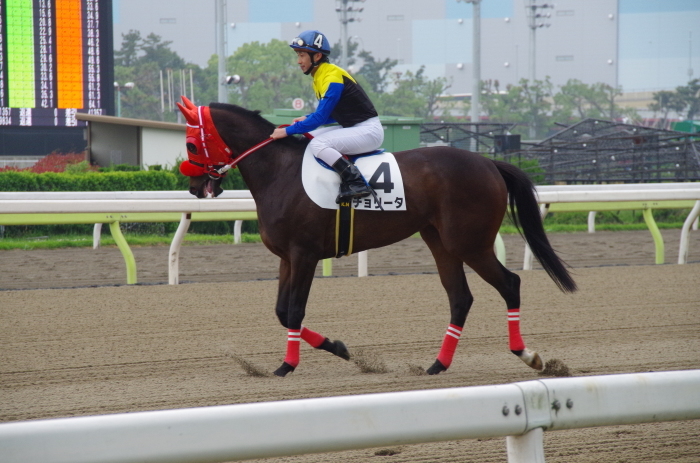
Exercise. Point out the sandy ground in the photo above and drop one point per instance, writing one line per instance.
(71, 268)
(92, 349)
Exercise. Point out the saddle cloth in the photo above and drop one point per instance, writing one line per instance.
(380, 170)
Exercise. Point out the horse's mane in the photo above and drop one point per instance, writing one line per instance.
(255, 116)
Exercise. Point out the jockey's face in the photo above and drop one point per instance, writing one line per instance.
(304, 59)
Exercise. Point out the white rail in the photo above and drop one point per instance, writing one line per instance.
(238, 432)
(645, 196)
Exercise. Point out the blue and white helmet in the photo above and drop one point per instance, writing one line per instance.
(312, 41)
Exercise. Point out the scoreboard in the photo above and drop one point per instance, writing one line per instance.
(55, 60)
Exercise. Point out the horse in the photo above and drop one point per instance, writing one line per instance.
(455, 199)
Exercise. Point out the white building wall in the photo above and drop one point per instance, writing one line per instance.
(637, 44)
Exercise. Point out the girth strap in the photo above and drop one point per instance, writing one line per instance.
(344, 225)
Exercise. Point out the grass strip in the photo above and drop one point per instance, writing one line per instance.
(136, 240)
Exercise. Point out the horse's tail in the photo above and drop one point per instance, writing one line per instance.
(527, 219)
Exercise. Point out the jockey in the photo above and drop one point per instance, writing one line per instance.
(341, 100)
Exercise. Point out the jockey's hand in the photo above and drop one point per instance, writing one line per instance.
(279, 132)
(299, 119)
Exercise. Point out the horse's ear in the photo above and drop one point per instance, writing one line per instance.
(189, 111)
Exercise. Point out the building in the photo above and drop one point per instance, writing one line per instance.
(640, 45)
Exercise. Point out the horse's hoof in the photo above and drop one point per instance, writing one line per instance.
(283, 370)
(340, 350)
(436, 368)
(531, 358)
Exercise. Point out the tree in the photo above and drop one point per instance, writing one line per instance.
(414, 95)
(577, 100)
(690, 96)
(666, 102)
(376, 72)
(270, 77)
(141, 61)
(527, 104)
(156, 51)
(131, 45)
(336, 52)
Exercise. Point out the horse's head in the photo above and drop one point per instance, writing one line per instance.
(206, 151)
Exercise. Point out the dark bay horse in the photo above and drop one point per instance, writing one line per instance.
(455, 199)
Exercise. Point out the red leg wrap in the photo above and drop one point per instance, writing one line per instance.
(293, 342)
(449, 345)
(312, 337)
(515, 339)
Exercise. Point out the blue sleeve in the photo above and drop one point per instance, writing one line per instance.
(322, 115)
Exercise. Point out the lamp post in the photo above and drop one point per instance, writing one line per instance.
(535, 22)
(347, 13)
(119, 95)
(476, 63)
(221, 8)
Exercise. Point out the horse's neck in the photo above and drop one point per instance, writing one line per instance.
(272, 169)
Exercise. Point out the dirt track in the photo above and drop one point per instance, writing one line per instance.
(68, 352)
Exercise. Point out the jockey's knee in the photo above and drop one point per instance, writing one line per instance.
(328, 155)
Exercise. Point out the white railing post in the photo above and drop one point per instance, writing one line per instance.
(174, 260)
(528, 448)
(591, 221)
(96, 235)
(362, 264)
(237, 225)
(685, 233)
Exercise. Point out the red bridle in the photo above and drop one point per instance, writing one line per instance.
(207, 152)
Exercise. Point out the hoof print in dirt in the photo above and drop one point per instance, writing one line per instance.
(369, 362)
(555, 367)
(416, 370)
(386, 452)
(249, 368)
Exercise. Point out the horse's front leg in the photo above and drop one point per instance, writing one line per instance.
(293, 293)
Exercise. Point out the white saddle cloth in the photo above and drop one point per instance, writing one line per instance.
(380, 170)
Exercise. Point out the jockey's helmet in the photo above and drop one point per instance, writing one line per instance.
(312, 41)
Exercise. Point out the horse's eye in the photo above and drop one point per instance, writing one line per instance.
(192, 148)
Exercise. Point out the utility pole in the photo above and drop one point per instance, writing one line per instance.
(347, 13)
(535, 22)
(221, 49)
(476, 65)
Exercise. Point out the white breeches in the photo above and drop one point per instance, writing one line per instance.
(330, 142)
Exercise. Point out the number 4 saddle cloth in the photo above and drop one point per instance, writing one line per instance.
(381, 170)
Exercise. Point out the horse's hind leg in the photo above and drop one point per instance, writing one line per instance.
(455, 283)
(507, 284)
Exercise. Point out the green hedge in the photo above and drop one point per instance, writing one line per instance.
(151, 180)
(88, 181)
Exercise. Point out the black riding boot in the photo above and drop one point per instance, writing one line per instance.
(352, 185)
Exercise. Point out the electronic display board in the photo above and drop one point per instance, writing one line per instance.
(55, 60)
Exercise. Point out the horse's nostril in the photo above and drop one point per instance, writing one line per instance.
(192, 148)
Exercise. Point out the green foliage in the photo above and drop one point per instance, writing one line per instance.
(685, 99)
(120, 168)
(414, 95)
(88, 181)
(539, 105)
(376, 72)
(530, 166)
(141, 61)
(270, 77)
(577, 101)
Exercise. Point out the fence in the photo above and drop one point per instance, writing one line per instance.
(172, 206)
(520, 411)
